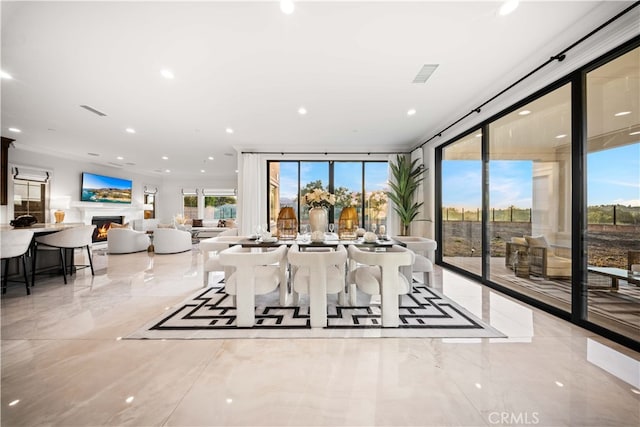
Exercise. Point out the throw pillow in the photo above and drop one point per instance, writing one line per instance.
(519, 240)
(537, 241)
(116, 225)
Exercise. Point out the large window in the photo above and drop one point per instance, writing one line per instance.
(462, 203)
(559, 222)
(219, 206)
(613, 193)
(529, 232)
(354, 183)
(29, 199)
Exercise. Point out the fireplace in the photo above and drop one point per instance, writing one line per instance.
(103, 224)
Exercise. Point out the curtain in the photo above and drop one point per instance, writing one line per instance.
(251, 198)
(393, 221)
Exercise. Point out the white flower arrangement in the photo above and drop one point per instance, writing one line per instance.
(319, 198)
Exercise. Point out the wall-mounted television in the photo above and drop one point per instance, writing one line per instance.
(105, 189)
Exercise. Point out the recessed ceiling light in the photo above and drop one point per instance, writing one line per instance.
(16, 130)
(5, 75)
(120, 158)
(129, 399)
(635, 133)
(167, 170)
(210, 157)
(411, 112)
(524, 112)
(478, 135)
(236, 170)
(14, 402)
(559, 384)
(229, 130)
(302, 111)
(562, 135)
(287, 7)
(508, 7)
(167, 74)
(165, 158)
(202, 170)
(622, 113)
(130, 130)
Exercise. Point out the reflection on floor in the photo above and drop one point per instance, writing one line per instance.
(63, 363)
(616, 310)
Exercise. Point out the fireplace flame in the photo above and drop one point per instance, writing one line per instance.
(102, 231)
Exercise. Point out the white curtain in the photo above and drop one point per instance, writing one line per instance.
(251, 196)
(393, 221)
(418, 227)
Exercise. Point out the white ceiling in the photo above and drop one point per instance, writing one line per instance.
(247, 66)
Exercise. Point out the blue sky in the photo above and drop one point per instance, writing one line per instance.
(613, 178)
(99, 181)
(347, 174)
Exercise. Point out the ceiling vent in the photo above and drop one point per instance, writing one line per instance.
(93, 110)
(424, 73)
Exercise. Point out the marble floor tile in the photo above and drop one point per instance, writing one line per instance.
(64, 363)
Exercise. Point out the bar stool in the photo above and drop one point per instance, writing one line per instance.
(68, 239)
(15, 244)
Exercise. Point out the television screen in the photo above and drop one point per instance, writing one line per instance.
(105, 189)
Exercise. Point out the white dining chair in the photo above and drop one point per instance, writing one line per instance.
(381, 273)
(254, 273)
(66, 241)
(211, 249)
(424, 250)
(318, 273)
(15, 244)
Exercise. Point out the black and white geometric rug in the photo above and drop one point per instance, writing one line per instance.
(210, 315)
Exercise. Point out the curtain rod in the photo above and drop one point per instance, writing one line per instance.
(559, 57)
(325, 152)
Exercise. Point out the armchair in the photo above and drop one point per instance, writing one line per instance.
(548, 261)
(211, 249)
(254, 273)
(126, 241)
(380, 275)
(318, 274)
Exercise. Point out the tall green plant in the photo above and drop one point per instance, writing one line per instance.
(406, 178)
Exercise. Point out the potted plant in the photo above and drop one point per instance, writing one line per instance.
(406, 178)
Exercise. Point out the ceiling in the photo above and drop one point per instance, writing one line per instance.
(248, 67)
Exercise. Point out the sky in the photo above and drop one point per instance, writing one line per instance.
(98, 181)
(613, 177)
(347, 174)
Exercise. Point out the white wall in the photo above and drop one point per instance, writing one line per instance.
(66, 181)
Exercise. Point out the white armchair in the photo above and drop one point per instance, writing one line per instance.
(254, 273)
(171, 241)
(381, 275)
(211, 249)
(424, 250)
(126, 241)
(318, 274)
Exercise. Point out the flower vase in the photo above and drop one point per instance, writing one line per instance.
(318, 219)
